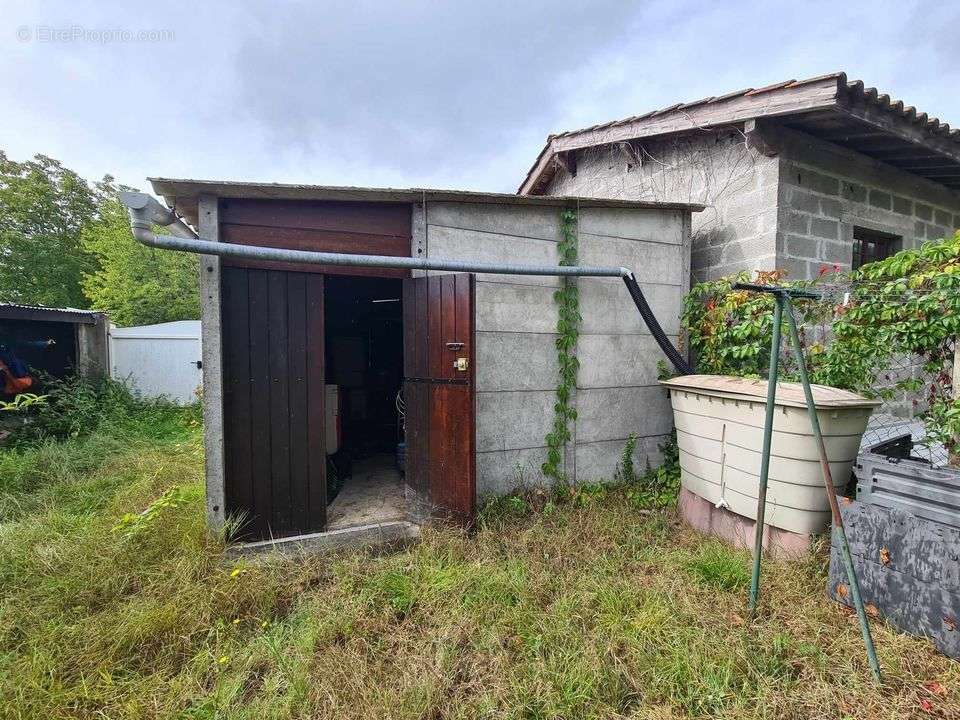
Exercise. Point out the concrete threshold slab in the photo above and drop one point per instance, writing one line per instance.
(350, 538)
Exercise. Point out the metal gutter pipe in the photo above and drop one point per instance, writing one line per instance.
(145, 213)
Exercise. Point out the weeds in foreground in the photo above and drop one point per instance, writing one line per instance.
(560, 605)
(77, 406)
(713, 565)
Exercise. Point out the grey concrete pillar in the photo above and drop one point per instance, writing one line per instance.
(211, 339)
(93, 347)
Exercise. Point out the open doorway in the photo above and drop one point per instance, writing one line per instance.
(363, 337)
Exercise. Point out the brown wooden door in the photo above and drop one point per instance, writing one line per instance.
(273, 398)
(438, 391)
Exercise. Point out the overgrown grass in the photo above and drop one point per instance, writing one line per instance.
(580, 605)
(714, 565)
(74, 453)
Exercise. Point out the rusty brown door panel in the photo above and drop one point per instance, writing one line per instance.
(439, 395)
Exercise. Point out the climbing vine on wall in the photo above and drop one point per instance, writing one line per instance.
(567, 299)
(899, 313)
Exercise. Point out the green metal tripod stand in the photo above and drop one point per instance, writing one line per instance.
(783, 306)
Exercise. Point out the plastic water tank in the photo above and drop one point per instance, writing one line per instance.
(719, 423)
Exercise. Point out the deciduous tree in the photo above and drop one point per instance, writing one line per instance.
(134, 284)
(43, 210)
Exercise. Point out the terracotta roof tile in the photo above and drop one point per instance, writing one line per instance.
(855, 91)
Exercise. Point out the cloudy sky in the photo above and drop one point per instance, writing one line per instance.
(404, 93)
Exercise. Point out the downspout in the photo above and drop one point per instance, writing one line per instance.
(145, 213)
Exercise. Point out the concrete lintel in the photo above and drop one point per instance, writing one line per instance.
(759, 138)
(211, 343)
(361, 536)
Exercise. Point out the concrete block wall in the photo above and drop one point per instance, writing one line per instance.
(617, 389)
(516, 368)
(826, 190)
(794, 208)
(739, 186)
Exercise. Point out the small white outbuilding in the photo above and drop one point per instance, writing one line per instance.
(161, 360)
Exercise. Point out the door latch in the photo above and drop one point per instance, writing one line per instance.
(461, 364)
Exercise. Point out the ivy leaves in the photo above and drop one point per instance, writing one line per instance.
(567, 299)
(905, 306)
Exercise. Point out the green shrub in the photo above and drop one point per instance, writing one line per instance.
(626, 472)
(730, 330)
(659, 486)
(905, 305)
(76, 406)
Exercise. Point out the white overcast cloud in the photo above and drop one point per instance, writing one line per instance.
(433, 94)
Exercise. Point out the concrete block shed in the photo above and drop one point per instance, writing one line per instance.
(797, 176)
(322, 382)
(55, 341)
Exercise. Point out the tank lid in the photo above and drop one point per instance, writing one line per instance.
(788, 393)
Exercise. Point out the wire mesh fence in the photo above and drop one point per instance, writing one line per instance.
(906, 384)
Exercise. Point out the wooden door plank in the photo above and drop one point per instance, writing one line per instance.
(418, 450)
(448, 328)
(316, 403)
(281, 516)
(297, 389)
(419, 337)
(414, 393)
(434, 312)
(238, 477)
(450, 444)
(260, 442)
(463, 291)
(408, 298)
(440, 400)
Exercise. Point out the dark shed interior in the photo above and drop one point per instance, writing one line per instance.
(312, 364)
(38, 343)
(364, 343)
(364, 368)
(46, 348)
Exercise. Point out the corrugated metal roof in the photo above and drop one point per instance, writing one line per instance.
(788, 393)
(46, 307)
(39, 312)
(182, 193)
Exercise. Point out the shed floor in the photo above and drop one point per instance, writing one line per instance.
(374, 494)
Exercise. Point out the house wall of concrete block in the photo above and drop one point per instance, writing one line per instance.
(738, 184)
(825, 191)
(792, 207)
(516, 368)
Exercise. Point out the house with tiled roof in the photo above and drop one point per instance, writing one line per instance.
(794, 176)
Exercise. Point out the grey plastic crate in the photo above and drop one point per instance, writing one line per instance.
(908, 568)
(910, 485)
